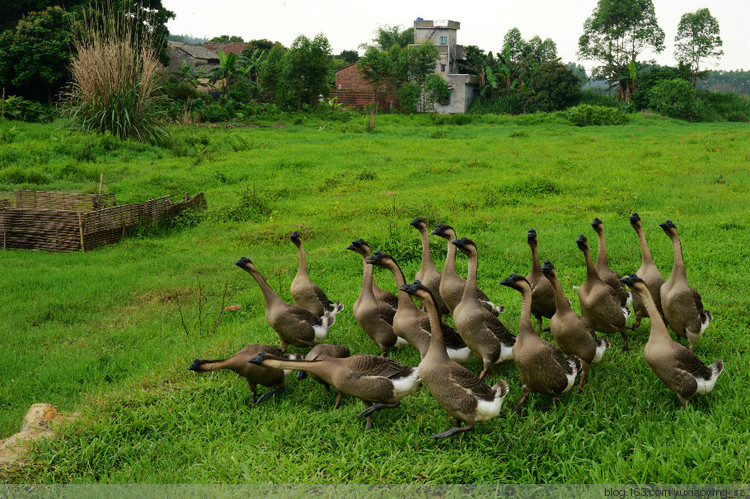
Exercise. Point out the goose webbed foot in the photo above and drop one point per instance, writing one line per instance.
(520, 403)
(268, 393)
(454, 431)
(376, 407)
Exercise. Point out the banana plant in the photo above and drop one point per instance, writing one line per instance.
(227, 70)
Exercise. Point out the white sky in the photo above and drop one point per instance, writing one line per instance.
(347, 24)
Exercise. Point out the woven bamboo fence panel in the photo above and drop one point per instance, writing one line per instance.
(72, 201)
(69, 230)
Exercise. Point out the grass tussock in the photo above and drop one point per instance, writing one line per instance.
(115, 78)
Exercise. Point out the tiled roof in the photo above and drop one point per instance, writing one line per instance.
(226, 47)
(195, 50)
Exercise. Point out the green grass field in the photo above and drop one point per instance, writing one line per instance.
(99, 333)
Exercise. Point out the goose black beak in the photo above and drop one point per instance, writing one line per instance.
(531, 236)
(258, 359)
(547, 268)
(301, 375)
(194, 365)
(634, 218)
(242, 262)
(294, 237)
(630, 280)
(596, 223)
(582, 242)
(667, 225)
(415, 223)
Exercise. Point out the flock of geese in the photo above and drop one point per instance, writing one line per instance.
(393, 321)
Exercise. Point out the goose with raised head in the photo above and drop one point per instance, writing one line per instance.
(543, 297)
(325, 351)
(456, 389)
(679, 368)
(682, 305)
(305, 293)
(373, 315)
(413, 324)
(573, 334)
(606, 274)
(648, 272)
(452, 284)
(294, 325)
(600, 304)
(255, 375)
(428, 273)
(390, 300)
(484, 334)
(379, 382)
(543, 367)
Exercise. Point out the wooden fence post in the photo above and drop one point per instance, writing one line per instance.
(80, 231)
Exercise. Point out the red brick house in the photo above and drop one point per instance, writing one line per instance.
(351, 90)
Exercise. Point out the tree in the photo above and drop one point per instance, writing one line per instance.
(387, 36)
(697, 38)
(385, 70)
(270, 73)
(350, 56)
(227, 39)
(552, 87)
(304, 70)
(616, 34)
(34, 56)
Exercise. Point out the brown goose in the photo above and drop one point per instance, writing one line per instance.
(428, 274)
(648, 272)
(255, 375)
(361, 247)
(543, 297)
(456, 389)
(305, 293)
(573, 334)
(411, 323)
(294, 325)
(451, 284)
(543, 367)
(679, 368)
(606, 274)
(483, 333)
(599, 302)
(683, 307)
(379, 382)
(325, 351)
(374, 316)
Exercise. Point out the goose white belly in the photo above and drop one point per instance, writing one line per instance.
(405, 386)
(488, 409)
(320, 333)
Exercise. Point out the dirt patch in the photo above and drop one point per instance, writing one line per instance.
(38, 423)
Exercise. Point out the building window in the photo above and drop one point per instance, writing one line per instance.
(442, 68)
(443, 40)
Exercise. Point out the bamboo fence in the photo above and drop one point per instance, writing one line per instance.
(45, 221)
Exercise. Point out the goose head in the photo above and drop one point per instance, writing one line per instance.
(378, 258)
(531, 238)
(418, 291)
(668, 227)
(360, 246)
(635, 220)
(630, 280)
(294, 236)
(244, 263)
(258, 359)
(548, 269)
(582, 242)
(597, 224)
(465, 245)
(517, 282)
(445, 231)
(418, 223)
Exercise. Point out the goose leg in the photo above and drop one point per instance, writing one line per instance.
(253, 389)
(486, 369)
(521, 402)
(376, 407)
(454, 431)
(368, 424)
(338, 400)
(269, 392)
(584, 372)
(625, 347)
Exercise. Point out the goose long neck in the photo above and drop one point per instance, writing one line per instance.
(404, 299)
(427, 261)
(437, 349)
(645, 253)
(601, 252)
(316, 367)
(536, 267)
(269, 295)
(470, 289)
(450, 258)
(526, 327)
(590, 268)
(302, 270)
(367, 280)
(561, 302)
(679, 263)
(658, 327)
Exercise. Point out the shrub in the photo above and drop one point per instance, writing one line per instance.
(596, 98)
(720, 106)
(18, 108)
(552, 87)
(586, 115)
(115, 79)
(408, 96)
(674, 98)
(438, 91)
(214, 113)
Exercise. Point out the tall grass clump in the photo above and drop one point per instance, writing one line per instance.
(115, 83)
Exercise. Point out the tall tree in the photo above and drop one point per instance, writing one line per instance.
(697, 39)
(385, 70)
(227, 39)
(304, 70)
(616, 34)
(387, 36)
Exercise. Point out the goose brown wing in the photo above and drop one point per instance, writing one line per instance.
(688, 361)
(557, 356)
(299, 314)
(588, 327)
(697, 299)
(498, 329)
(469, 381)
(451, 338)
(374, 365)
(386, 312)
(321, 296)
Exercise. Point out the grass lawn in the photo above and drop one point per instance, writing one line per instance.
(99, 333)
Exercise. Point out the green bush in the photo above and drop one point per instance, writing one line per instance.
(408, 96)
(596, 98)
(512, 104)
(18, 108)
(722, 106)
(552, 87)
(674, 98)
(214, 113)
(586, 115)
(648, 79)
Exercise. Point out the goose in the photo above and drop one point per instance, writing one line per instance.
(484, 334)
(599, 303)
(325, 351)
(255, 375)
(374, 316)
(573, 334)
(678, 367)
(683, 307)
(456, 389)
(451, 284)
(648, 272)
(413, 324)
(543, 367)
(294, 325)
(361, 247)
(305, 293)
(379, 382)
(606, 274)
(543, 297)
(428, 274)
